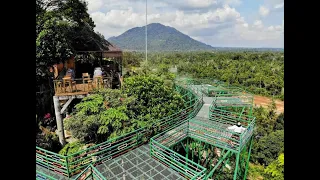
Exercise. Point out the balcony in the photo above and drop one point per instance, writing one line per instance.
(69, 87)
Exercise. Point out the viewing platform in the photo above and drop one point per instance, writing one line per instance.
(69, 87)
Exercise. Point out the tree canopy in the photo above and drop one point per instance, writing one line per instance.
(109, 113)
(62, 28)
(257, 72)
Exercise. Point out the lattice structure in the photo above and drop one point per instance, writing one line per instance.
(212, 133)
(42, 176)
(199, 137)
(71, 165)
(90, 172)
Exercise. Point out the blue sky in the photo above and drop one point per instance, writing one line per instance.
(226, 23)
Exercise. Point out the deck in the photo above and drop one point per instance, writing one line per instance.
(80, 87)
(135, 164)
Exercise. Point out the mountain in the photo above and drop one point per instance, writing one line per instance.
(160, 38)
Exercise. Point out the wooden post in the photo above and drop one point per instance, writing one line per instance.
(60, 130)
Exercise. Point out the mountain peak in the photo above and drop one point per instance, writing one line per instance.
(160, 38)
(156, 24)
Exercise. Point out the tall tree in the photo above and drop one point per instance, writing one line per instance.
(62, 28)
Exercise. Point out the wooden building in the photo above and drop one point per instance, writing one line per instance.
(81, 82)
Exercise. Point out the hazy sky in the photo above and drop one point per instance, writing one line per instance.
(229, 23)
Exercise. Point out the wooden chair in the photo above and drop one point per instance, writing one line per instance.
(98, 81)
(86, 79)
(59, 86)
(68, 80)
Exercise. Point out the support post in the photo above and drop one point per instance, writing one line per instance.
(199, 151)
(60, 130)
(66, 105)
(247, 163)
(237, 166)
(187, 148)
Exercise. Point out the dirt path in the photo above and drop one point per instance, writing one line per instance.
(265, 101)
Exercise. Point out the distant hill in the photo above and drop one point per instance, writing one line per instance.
(160, 38)
(241, 49)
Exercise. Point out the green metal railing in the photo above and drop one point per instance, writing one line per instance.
(73, 164)
(183, 165)
(169, 131)
(105, 151)
(213, 130)
(43, 176)
(52, 161)
(210, 131)
(90, 172)
(220, 120)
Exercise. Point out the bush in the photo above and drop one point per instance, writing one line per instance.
(71, 148)
(268, 147)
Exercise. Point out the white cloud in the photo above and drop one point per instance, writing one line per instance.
(263, 11)
(270, 28)
(118, 18)
(233, 2)
(277, 6)
(94, 5)
(274, 5)
(219, 26)
(258, 24)
(200, 4)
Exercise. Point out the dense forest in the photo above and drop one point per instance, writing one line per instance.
(148, 93)
(257, 72)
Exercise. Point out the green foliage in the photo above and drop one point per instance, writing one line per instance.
(258, 72)
(71, 148)
(100, 116)
(268, 147)
(256, 172)
(48, 141)
(45, 136)
(62, 27)
(266, 120)
(268, 135)
(154, 100)
(276, 169)
(262, 76)
(109, 113)
(279, 122)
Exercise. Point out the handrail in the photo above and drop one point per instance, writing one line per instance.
(72, 164)
(43, 176)
(88, 172)
(81, 161)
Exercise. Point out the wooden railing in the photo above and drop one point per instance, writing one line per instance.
(80, 86)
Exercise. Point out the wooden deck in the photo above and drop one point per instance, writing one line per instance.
(78, 89)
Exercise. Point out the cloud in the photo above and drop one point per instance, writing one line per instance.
(118, 18)
(274, 5)
(94, 5)
(200, 6)
(278, 6)
(219, 25)
(257, 24)
(263, 11)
